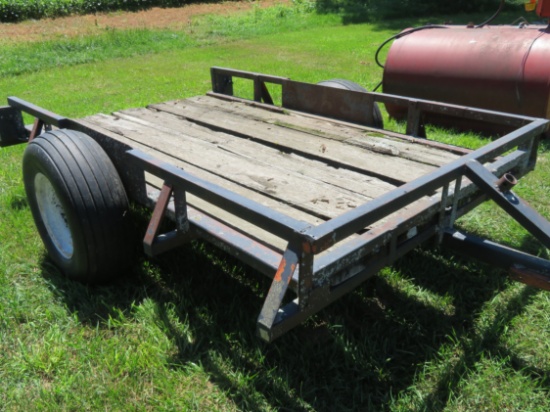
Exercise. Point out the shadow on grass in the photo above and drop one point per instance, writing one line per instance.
(19, 203)
(544, 145)
(471, 286)
(476, 347)
(355, 355)
(93, 304)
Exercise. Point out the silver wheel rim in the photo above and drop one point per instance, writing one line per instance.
(53, 216)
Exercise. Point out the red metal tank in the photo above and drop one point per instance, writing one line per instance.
(499, 68)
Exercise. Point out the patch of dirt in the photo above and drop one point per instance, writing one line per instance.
(155, 18)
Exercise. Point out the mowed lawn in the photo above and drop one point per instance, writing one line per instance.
(434, 332)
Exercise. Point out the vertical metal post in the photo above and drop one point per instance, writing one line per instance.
(456, 196)
(221, 83)
(369, 114)
(442, 210)
(415, 127)
(305, 274)
(180, 205)
(257, 89)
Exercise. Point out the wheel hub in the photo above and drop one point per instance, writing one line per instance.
(53, 216)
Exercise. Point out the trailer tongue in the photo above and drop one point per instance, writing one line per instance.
(306, 192)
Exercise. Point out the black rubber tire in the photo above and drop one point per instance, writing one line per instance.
(349, 85)
(79, 205)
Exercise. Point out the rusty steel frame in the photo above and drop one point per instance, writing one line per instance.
(315, 265)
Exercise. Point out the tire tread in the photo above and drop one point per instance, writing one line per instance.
(92, 188)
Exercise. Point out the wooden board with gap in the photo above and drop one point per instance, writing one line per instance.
(310, 169)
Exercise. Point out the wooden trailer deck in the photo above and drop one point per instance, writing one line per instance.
(309, 168)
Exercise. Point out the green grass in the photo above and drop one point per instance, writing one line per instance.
(112, 43)
(433, 332)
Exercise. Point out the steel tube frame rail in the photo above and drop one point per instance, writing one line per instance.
(319, 275)
(222, 83)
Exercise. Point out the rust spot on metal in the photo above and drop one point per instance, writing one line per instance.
(530, 277)
(282, 268)
(278, 276)
(506, 182)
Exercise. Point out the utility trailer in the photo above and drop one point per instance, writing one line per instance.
(307, 192)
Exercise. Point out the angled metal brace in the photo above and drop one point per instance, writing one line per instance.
(261, 93)
(522, 212)
(155, 243)
(277, 291)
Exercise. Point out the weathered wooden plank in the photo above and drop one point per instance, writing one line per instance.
(298, 191)
(374, 140)
(342, 125)
(240, 224)
(275, 159)
(368, 186)
(391, 168)
(150, 140)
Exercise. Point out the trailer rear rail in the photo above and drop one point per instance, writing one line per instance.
(305, 192)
